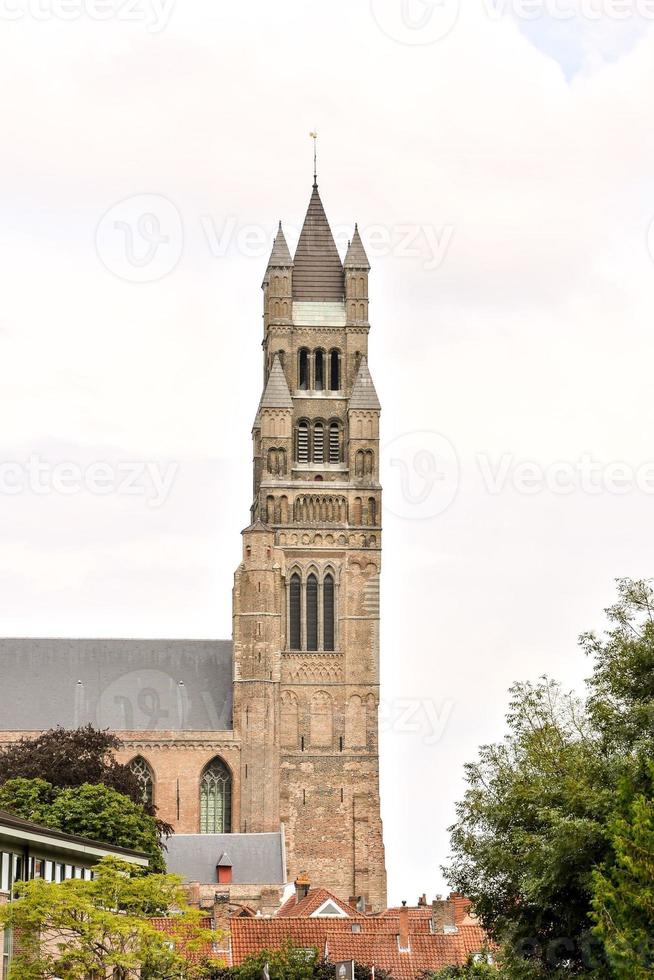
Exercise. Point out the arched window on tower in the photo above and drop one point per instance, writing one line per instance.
(328, 611)
(303, 369)
(319, 370)
(318, 442)
(216, 799)
(140, 768)
(334, 442)
(335, 370)
(295, 613)
(302, 449)
(312, 613)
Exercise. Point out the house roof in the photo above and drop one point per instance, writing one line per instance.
(124, 685)
(317, 267)
(308, 905)
(16, 829)
(363, 395)
(374, 941)
(256, 859)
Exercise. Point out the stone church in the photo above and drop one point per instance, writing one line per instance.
(276, 731)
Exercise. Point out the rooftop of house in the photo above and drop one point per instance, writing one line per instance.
(254, 858)
(43, 840)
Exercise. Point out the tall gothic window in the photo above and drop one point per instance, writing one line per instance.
(334, 442)
(312, 613)
(328, 612)
(318, 442)
(140, 768)
(303, 369)
(303, 442)
(295, 631)
(216, 799)
(335, 370)
(319, 371)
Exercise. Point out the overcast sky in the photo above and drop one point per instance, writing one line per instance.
(501, 171)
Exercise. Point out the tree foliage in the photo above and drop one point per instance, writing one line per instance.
(94, 811)
(94, 927)
(291, 962)
(537, 818)
(70, 757)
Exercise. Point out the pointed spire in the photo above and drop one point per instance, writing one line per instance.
(317, 268)
(363, 394)
(280, 254)
(356, 257)
(276, 394)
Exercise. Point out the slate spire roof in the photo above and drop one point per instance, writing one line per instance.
(280, 254)
(356, 257)
(363, 394)
(276, 394)
(317, 267)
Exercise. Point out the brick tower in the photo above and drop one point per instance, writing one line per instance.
(306, 595)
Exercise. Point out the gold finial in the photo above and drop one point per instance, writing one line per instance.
(314, 137)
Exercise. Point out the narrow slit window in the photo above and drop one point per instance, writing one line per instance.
(335, 371)
(319, 371)
(303, 370)
(312, 613)
(295, 630)
(328, 612)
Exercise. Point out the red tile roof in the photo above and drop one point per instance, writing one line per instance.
(312, 901)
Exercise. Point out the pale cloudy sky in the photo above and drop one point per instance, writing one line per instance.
(500, 169)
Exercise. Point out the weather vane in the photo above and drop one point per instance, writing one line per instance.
(314, 137)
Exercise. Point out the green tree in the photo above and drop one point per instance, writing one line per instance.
(81, 928)
(287, 963)
(477, 968)
(623, 902)
(537, 818)
(97, 812)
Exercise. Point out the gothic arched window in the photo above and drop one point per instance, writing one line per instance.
(319, 370)
(335, 370)
(302, 449)
(318, 442)
(334, 442)
(312, 613)
(328, 612)
(216, 799)
(295, 601)
(140, 768)
(303, 369)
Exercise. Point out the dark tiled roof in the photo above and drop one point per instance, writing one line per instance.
(125, 685)
(10, 821)
(363, 394)
(280, 255)
(256, 859)
(317, 267)
(356, 257)
(276, 394)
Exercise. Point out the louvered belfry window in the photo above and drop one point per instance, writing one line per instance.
(328, 612)
(303, 442)
(319, 443)
(334, 443)
(216, 799)
(312, 613)
(295, 630)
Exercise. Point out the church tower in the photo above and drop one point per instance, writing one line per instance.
(306, 595)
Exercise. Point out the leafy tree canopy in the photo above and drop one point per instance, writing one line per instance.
(93, 811)
(537, 819)
(95, 927)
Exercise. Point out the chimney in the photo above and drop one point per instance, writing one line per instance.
(302, 886)
(443, 917)
(404, 928)
(224, 870)
(422, 901)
